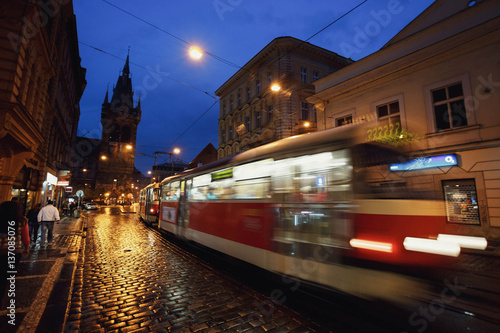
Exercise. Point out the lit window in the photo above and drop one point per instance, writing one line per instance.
(388, 114)
(343, 120)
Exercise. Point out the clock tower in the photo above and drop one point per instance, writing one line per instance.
(119, 119)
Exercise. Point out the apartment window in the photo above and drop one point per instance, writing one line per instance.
(249, 93)
(224, 109)
(231, 105)
(315, 75)
(304, 110)
(303, 75)
(247, 124)
(257, 87)
(230, 132)
(461, 201)
(449, 107)
(223, 131)
(345, 120)
(270, 78)
(239, 99)
(270, 110)
(388, 113)
(258, 118)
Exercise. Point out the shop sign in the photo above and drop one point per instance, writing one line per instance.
(420, 163)
(69, 189)
(51, 179)
(63, 183)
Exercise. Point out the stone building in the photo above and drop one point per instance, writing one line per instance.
(252, 113)
(436, 81)
(106, 166)
(41, 83)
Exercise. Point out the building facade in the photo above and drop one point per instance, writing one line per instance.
(253, 113)
(41, 83)
(105, 166)
(437, 84)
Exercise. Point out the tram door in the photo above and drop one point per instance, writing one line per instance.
(183, 210)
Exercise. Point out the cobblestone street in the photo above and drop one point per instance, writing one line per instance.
(132, 280)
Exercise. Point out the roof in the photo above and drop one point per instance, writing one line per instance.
(291, 43)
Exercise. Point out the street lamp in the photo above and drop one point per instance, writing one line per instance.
(195, 53)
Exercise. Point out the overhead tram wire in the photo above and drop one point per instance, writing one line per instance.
(221, 59)
(187, 129)
(227, 62)
(150, 70)
(312, 36)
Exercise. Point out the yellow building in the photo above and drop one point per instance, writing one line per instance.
(438, 82)
(253, 112)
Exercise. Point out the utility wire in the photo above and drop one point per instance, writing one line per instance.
(187, 129)
(150, 70)
(227, 62)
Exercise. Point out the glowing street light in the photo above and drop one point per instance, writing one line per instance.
(177, 151)
(195, 53)
(128, 147)
(275, 87)
(104, 157)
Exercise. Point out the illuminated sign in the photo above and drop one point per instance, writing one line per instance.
(63, 183)
(51, 179)
(224, 174)
(426, 163)
(320, 181)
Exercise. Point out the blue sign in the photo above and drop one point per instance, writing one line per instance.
(320, 181)
(426, 163)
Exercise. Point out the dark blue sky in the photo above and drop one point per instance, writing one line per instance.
(234, 30)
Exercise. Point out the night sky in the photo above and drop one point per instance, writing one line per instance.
(177, 90)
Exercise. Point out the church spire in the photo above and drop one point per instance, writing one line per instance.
(106, 98)
(126, 68)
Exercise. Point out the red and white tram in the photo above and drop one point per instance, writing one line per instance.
(149, 203)
(316, 207)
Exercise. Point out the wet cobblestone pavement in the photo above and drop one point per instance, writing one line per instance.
(130, 279)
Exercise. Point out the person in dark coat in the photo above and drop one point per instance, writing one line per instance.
(33, 223)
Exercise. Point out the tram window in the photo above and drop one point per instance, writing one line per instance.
(313, 178)
(170, 191)
(252, 189)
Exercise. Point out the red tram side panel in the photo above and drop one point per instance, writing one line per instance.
(247, 223)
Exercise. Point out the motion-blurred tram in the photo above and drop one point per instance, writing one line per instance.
(315, 207)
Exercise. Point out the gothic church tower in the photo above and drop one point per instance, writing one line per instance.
(119, 119)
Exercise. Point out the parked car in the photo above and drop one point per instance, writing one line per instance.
(91, 206)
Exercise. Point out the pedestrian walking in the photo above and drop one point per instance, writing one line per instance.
(33, 223)
(48, 215)
(72, 209)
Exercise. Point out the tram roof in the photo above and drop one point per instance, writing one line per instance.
(339, 137)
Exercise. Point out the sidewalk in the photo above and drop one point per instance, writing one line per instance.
(43, 282)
